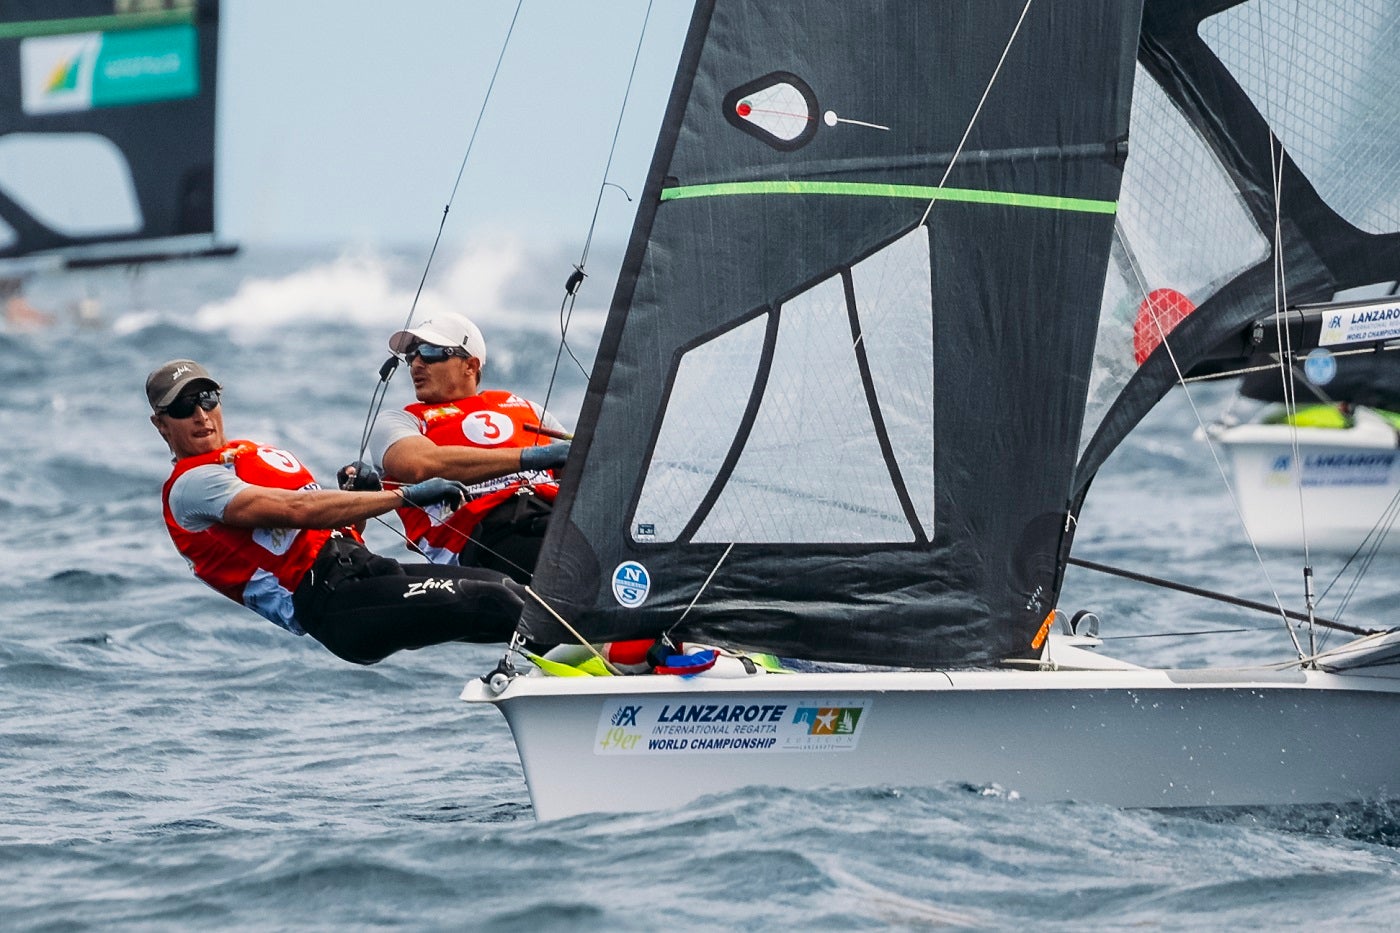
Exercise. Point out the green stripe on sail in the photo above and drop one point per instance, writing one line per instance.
(116, 21)
(864, 190)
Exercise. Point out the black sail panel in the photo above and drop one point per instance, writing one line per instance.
(827, 420)
(106, 124)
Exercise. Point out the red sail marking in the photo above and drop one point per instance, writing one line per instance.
(746, 109)
(1159, 313)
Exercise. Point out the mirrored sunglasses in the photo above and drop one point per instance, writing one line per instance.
(431, 353)
(185, 405)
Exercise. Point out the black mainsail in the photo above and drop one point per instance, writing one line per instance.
(852, 420)
(107, 129)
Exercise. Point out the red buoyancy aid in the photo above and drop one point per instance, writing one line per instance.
(258, 567)
(489, 419)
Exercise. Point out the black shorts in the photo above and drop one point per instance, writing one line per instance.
(364, 607)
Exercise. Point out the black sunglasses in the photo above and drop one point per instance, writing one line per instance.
(431, 353)
(184, 406)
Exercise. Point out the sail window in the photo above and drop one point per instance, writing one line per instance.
(77, 184)
(1326, 77)
(704, 411)
(8, 237)
(812, 469)
(778, 108)
(893, 300)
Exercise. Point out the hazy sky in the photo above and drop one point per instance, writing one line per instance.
(347, 121)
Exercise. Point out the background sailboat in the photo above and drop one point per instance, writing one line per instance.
(1319, 464)
(1260, 181)
(107, 122)
(856, 382)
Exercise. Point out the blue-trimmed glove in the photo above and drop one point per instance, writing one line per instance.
(434, 491)
(544, 457)
(358, 477)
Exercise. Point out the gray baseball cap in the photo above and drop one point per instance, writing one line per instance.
(170, 381)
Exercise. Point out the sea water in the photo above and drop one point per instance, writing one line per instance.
(171, 761)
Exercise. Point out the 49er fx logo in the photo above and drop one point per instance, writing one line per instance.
(427, 586)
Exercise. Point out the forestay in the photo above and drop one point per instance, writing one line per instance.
(861, 416)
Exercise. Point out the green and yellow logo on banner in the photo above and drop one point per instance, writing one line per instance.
(80, 71)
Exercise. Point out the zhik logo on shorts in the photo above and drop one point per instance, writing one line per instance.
(427, 586)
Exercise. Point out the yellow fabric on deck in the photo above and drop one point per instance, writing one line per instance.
(1311, 416)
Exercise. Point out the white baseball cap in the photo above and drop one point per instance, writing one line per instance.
(443, 330)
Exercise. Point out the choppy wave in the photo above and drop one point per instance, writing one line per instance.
(172, 761)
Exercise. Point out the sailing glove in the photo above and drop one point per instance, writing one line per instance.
(434, 491)
(358, 477)
(544, 457)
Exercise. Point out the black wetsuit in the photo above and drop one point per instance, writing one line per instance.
(364, 607)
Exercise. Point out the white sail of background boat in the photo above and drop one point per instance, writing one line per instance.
(107, 132)
(873, 339)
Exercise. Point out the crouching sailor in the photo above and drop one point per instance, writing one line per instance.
(253, 523)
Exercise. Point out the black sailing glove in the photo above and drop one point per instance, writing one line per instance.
(544, 457)
(434, 491)
(358, 477)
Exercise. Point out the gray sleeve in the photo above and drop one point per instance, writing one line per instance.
(390, 428)
(547, 419)
(198, 498)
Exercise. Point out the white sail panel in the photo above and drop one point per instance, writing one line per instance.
(812, 469)
(77, 183)
(1326, 77)
(1181, 225)
(703, 411)
(894, 302)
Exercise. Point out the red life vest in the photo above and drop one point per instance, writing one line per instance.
(489, 419)
(258, 567)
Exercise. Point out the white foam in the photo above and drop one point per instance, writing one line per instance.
(368, 289)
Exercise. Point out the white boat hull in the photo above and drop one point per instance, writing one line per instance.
(1133, 738)
(1349, 477)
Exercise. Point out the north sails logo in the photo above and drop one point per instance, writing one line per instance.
(427, 586)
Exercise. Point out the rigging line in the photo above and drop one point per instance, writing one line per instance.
(1264, 367)
(977, 111)
(1209, 631)
(617, 131)
(1212, 594)
(1210, 444)
(701, 590)
(1376, 538)
(390, 366)
(1282, 332)
(566, 314)
(576, 280)
(466, 540)
(572, 631)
